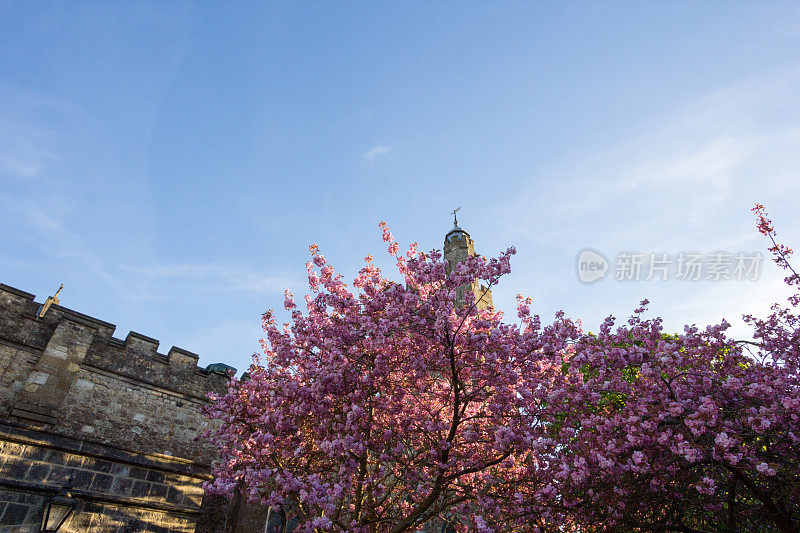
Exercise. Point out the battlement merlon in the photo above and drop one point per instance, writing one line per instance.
(19, 311)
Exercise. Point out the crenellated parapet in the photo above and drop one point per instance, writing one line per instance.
(66, 371)
(136, 356)
(116, 419)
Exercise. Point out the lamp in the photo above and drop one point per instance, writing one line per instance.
(279, 521)
(57, 510)
(275, 520)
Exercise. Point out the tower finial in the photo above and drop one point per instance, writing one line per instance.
(455, 217)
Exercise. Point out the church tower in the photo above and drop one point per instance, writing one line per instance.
(458, 245)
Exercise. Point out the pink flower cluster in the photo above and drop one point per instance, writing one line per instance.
(384, 405)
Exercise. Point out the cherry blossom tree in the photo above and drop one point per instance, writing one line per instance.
(385, 405)
(689, 432)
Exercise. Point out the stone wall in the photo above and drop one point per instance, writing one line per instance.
(114, 418)
(66, 371)
(114, 490)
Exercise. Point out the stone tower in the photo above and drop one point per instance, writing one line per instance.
(458, 245)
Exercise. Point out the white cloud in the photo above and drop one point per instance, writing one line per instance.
(689, 167)
(20, 167)
(712, 163)
(375, 152)
(220, 275)
(25, 147)
(44, 218)
(686, 184)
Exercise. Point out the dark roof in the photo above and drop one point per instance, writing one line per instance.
(456, 229)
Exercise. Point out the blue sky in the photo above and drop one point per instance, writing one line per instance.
(170, 162)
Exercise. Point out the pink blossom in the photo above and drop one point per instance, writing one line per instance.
(385, 398)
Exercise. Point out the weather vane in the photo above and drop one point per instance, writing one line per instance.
(50, 301)
(455, 218)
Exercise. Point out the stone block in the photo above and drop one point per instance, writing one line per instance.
(14, 468)
(140, 489)
(88, 463)
(194, 499)
(82, 479)
(39, 378)
(122, 485)
(102, 482)
(73, 461)
(119, 469)
(155, 476)
(38, 472)
(59, 474)
(159, 491)
(56, 457)
(141, 343)
(83, 384)
(138, 473)
(34, 453)
(24, 528)
(59, 352)
(26, 497)
(174, 496)
(103, 466)
(14, 514)
(12, 448)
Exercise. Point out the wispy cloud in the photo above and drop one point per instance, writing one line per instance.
(47, 230)
(19, 167)
(688, 167)
(685, 184)
(24, 146)
(220, 275)
(42, 222)
(374, 153)
(42, 218)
